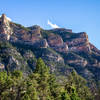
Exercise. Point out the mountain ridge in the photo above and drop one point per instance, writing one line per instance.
(61, 49)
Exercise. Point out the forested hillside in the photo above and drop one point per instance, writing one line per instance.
(42, 85)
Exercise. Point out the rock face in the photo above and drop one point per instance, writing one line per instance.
(41, 44)
(20, 47)
(93, 48)
(5, 29)
(79, 43)
(56, 42)
(32, 36)
(75, 60)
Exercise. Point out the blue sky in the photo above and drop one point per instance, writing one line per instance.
(78, 15)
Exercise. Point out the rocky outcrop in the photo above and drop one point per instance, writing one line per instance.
(35, 29)
(75, 60)
(80, 43)
(81, 48)
(5, 27)
(94, 49)
(56, 42)
(61, 40)
(50, 55)
(2, 66)
(12, 60)
(41, 44)
(28, 36)
(80, 62)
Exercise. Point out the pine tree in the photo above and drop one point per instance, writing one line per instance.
(41, 68)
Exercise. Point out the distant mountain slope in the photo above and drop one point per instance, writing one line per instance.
(61, 49)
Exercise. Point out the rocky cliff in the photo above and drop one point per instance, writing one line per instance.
(5, 29)
(61, 49)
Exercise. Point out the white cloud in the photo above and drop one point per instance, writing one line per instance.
(7, 18)
(53, 25)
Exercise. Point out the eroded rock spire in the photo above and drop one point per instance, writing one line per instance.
(5, 26)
